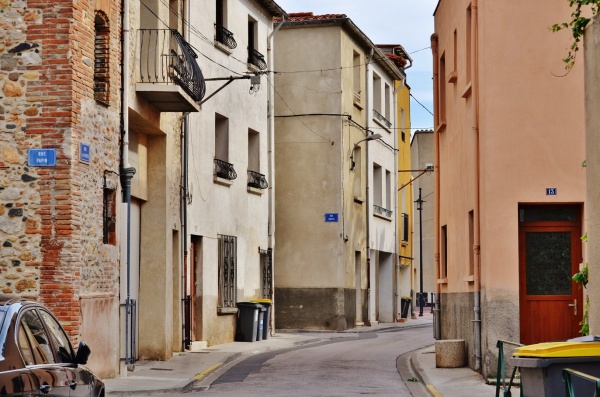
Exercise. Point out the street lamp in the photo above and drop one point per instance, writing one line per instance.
(420, 202)
(369, 138)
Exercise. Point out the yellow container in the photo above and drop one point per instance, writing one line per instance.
(261, 300)
(559, 349)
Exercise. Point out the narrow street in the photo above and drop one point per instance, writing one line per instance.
(351, 365)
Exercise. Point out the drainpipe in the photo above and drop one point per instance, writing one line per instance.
(437, 329)
(126, 172)
(398, 234)
(477, 209)
(370, 269)
(271, 165)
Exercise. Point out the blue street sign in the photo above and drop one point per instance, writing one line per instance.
(550, 191)
(331, 217)
(84, 152)
(41, 157)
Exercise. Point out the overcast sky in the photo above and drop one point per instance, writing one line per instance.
(405, 22)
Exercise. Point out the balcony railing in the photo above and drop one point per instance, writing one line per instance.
(224, 170)
(382, 119)
(382, 211)
(257, 59)
(225, 37)
(257, 180)
(166, 58)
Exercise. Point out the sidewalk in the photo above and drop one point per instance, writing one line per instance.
(181, 372)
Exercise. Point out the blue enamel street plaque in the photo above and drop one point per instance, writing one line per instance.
(84, 152)
(41, 157)
(550, 191)
(331, 217)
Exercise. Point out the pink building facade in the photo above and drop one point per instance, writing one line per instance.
(510, 186)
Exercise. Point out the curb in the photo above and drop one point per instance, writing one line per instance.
(416, 366)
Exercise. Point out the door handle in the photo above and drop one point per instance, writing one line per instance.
(73, 385)
(574, 306)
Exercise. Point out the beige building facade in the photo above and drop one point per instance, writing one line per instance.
(335, 206)
(510, 189)
(231, 167)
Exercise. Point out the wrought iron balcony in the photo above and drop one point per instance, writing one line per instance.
(257, 180)
(382, 211)
(225, 37)
(168, 75)
(382, 119)
(257, 59)
(224, 170)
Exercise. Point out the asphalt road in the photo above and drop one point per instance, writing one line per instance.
(352, 364)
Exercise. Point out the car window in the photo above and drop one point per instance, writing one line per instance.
(64, 351)
(37, 337)
(25, 347)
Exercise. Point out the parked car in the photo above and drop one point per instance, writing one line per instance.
(36, 356)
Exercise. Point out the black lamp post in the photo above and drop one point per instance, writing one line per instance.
(420, 202)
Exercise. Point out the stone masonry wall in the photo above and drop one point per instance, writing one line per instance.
(51, 217)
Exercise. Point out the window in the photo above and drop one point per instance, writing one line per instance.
(101, 58)
(444, 252)
(442, 89)
(468, 44)
(357, 186)
(388, 193)
(221, 137)
(405, 220)
(377, 185)
(255, 178)
(36, 338)
(356, 76)
(59, 339)
(387, 102)
(266, 260)
(222, 35)
(255, 58)
(471, 249)
(377, 93)
(253, 151)
(402, 124)
(227, 271)
(223, 169)
(109, 217)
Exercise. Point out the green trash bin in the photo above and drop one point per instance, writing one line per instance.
(266, 303)
(247, 321)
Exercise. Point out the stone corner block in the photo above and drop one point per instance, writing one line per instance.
(450, 353)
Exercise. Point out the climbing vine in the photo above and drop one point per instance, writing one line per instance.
(577, 25)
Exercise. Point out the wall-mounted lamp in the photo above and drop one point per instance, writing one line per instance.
(369, 138)
(427, 170)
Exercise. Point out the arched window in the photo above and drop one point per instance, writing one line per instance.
(101, 59)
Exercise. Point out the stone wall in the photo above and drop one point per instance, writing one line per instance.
(51, 217)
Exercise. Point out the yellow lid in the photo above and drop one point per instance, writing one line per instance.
(559, 349)
(264, 300)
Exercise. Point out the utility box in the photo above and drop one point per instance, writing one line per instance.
(541, 367)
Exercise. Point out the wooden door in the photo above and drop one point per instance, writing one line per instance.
(550, 302)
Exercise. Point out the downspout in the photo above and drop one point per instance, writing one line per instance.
(184, 244)
(370, 269)
(271, 166)
(477, 209)
(437, 330)
(398, 234)
(183, 209)
(126, 172)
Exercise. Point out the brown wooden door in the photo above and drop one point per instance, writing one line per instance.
(550, 302)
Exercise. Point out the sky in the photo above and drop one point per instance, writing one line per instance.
(405, 22)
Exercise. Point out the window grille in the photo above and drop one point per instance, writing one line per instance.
(227, 271)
